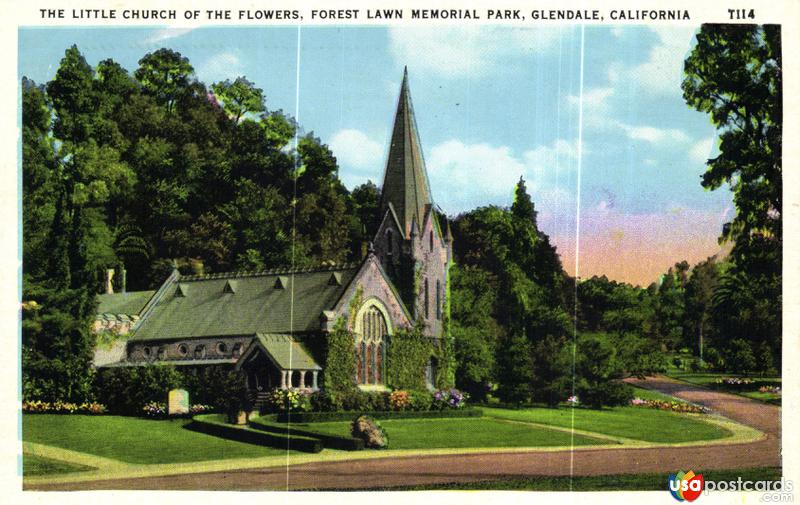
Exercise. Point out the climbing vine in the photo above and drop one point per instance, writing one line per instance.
(339, 363)
(446, 376)
(406, 358)
(355, 304)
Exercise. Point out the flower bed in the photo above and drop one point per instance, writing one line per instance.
(775, 390)
(736, 382)
(674, 406)
(282, 401)
(40, 407)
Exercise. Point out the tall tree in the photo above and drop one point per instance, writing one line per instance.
(239, 97)
(734, 74)
(165, 74)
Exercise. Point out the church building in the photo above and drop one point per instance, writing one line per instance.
(272, 324)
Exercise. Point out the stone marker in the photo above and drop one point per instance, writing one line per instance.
(178, 402)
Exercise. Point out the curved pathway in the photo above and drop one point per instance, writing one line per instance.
(421, 470)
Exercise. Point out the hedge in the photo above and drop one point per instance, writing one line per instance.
(214, 424)
(319, 417)
(271, 425)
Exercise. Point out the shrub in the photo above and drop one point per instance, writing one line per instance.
(713, 358)
(219, 386)
(126, 389)
(370, 431)
(399, 400)
(449, 399)
(155, 410)
(740, 357)
(324, 401)
(291, 400)
(420, 400)
(600, 393)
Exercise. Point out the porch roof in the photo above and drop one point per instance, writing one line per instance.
(283, 350)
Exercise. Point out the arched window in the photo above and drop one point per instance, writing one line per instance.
(430, 239)
(370, 346)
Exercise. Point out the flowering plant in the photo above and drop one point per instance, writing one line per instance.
(155, 409)
(399, 400)
(200, 409)
(293, 400)
(683, 407)
(770, 389)
(573, 400)
(734, 381)
(59, 407)
(449, 399)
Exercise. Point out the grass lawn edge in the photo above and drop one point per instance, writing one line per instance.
(740, 434)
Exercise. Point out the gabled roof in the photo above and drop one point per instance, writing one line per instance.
(206, 308)
(284, 351)
(405, 183)
(130, 303)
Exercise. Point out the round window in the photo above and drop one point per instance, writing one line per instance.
(146, 351)
(222, 348)
(183, 350)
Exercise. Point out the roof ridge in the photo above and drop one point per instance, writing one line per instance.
(273, 271)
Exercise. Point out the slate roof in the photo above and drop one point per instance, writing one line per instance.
(287, 353)
(405, 183)
(130, 303)
(202, 306)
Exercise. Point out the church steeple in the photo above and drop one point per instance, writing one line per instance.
(405, 183)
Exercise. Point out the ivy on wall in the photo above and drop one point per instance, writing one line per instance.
(339, 364)
(406, 358)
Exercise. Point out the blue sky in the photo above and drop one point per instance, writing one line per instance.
(492, 103)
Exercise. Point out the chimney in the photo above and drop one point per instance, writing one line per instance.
(110, 281)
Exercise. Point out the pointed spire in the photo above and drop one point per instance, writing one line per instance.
(448, 237)
(405, 182)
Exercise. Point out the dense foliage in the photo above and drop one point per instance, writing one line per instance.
(734, 74)
(152, 169)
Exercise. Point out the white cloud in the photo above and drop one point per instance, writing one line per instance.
(596, 106)
(701, 151)
(464, 176)
(166, 33)
(655, 135)
(360, 157)
(221, 66)
(662, 72)
(451, 51)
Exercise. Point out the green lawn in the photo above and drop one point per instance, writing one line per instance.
(134, 440)
(709, 380)
(37, 465)
(637, 482)
(458, 433)
(649, 425)
(649, 394)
